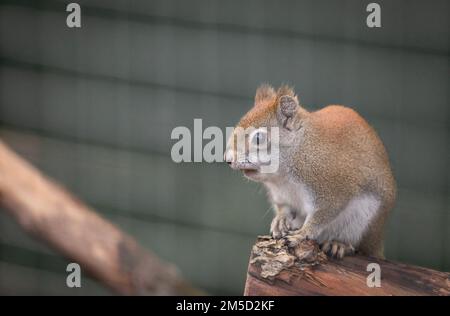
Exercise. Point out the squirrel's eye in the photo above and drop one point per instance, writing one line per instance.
(259, 138)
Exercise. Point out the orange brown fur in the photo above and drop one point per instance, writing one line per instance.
(266, 103)
(336, 154)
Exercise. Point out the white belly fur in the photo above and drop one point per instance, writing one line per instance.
(353, 221)
(350, 224)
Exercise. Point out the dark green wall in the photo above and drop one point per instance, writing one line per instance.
(94, 108)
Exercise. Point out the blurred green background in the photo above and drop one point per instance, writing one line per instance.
(94, 108)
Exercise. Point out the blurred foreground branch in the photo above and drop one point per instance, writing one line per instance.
(48, 212)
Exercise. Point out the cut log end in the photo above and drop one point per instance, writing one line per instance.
(274, 269)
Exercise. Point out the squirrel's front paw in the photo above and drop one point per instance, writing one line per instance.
(296, 238)
(281, 225)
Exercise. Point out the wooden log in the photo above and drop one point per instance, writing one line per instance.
(50, 213)
(276, 270)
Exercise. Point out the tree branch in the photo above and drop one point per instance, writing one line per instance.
(274, 270)
(50, 213)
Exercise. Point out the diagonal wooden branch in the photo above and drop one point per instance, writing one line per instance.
(50, 213)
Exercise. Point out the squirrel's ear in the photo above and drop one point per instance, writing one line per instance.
(288, 105)
(288, 112)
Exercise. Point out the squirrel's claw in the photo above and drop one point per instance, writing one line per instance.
(280, 226)
(295, 239)
(337, 249)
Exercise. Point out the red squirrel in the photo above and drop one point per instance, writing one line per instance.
(334, 183)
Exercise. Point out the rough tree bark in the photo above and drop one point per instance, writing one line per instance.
(50, 213)
(276, 270)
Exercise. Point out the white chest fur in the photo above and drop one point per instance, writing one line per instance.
(296, 195)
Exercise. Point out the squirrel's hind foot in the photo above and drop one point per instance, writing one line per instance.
(337, 249)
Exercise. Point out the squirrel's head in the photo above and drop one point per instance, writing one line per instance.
(267, 135)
